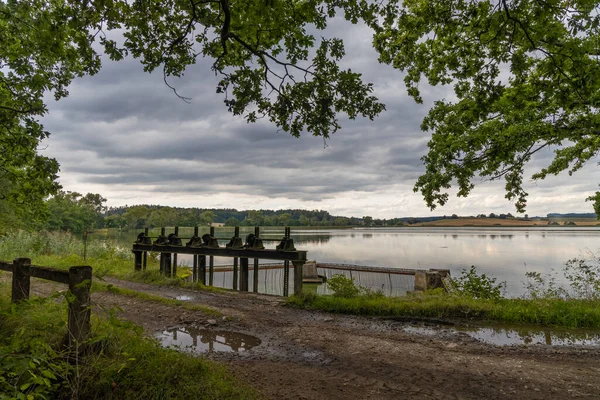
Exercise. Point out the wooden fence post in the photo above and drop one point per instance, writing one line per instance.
(20, 279)
(161, 263)
(286, 278)
(145, 257)
(235, 273)
(80, 281)
(255, 271)
(202, 268)
(174, 270)
(168, 262)
(298, 275)
(195, 268)
(211, 261)
(137, 260)
(243, 274)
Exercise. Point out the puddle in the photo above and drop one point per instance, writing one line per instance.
(184, 298)
(207, 341)
(502, 336)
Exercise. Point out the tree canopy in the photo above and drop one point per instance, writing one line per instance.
(525, 74)
(261, 50)
(526, 77)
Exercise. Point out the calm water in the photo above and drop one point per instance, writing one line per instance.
(507, 335)
(504, 253)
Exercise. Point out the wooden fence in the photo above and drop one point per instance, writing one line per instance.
(79, 280)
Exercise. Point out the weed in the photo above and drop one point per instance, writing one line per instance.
(543, 287)
(584, 276)
(477, 286)
(342, 286)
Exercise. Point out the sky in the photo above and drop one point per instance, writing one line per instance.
(124, 134)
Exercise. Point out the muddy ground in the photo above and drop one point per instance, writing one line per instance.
(314, 355)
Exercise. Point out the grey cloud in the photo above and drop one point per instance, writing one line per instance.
(123, 130)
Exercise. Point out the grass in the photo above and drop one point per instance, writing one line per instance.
(572, 313)
(123, 365)
(154, 298)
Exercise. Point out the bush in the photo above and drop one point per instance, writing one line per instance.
(584, 276)
(477, 286)
(343, 286)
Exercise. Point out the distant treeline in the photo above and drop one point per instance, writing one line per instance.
(572, 215)
(71, 211)
(141, 216)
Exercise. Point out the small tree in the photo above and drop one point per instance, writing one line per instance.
(232, 221)
(207, 217)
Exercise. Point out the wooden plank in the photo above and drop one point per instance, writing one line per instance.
(36, 271)
(49, 274)
(6, 266)
(266, 254)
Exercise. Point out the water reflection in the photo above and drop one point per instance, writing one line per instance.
(206, 340)
(512, 336)
(527, 249)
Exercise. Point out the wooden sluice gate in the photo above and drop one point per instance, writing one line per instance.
(208, 246)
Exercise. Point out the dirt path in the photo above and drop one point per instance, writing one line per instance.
(314, 355)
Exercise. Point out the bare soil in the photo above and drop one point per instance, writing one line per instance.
(314, 355)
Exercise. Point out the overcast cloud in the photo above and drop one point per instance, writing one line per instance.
(124, 134)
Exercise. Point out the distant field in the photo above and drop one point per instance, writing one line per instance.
(505, 222)
(578, 221)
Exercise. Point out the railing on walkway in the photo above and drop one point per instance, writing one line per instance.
(208, 246)
(79, 280)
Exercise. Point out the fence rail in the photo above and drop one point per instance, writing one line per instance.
(79, 280)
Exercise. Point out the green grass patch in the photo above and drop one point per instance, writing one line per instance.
(100, 287)
(571, 313)
(122, 365)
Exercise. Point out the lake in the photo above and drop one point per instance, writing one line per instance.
(504, 253)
